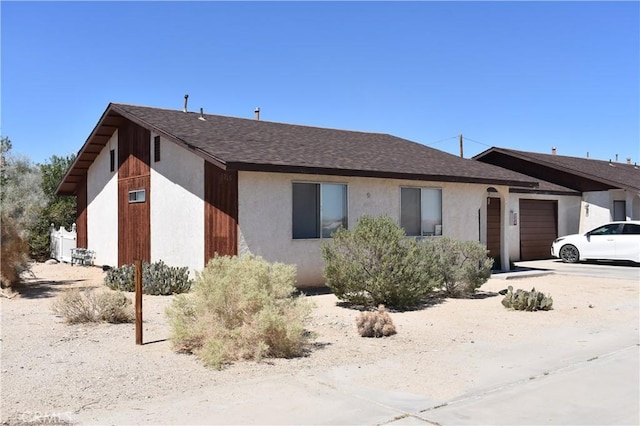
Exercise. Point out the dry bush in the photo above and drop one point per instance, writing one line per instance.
(240, 308)
(375, 324)
(375, 263)
(14, 256)
(77, 306)
(461, 266)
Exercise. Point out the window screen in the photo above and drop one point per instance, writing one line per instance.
(421, 211)
(319, 209)
(306, 210)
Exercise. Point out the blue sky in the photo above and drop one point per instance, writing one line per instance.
(520, 75)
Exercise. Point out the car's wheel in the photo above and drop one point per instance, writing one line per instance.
(569, 254)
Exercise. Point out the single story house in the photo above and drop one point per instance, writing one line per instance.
(158, 184)
(608, 190)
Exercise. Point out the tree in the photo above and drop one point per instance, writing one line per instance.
(59, 210)
(21, 196)
(21, 202)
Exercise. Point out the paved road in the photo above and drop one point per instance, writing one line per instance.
(602, 390)
(625, 271)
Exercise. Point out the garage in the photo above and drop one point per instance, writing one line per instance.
(538, 228)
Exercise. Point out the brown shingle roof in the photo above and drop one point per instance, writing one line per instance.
(246, 144)
(581, 174)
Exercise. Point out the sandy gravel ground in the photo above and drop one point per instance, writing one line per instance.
(50, 369)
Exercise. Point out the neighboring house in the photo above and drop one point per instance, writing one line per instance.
(179, 186)
(608, 190)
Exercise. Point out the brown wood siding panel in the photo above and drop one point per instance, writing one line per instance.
(81, 213)
(134, 150)
(134, 223)
(221, 212)
(538, 228)
(134, 228)
(493, 227)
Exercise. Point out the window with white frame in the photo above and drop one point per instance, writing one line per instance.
(137, 196)
(421, 211)
(319, 209)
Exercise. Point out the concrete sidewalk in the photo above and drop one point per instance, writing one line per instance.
(603, 390)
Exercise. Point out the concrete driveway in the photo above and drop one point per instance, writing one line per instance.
(620, 270)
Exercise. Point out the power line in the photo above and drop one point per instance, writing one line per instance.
(467, 138)
(441, 140)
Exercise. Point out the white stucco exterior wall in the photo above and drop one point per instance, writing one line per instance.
(102, 206)
(596, 209)
(177, 206)
(265, 214)
(568, 217)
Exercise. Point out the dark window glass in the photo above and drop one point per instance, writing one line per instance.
(631, 228)
(306, 210)
(156, 149)
(608, 229)
(410, 216)
(112, 160)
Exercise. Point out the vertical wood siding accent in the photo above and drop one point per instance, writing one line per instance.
(493, 229)
(220, 212)
(538, 228)
(134, 224)
(81, 213)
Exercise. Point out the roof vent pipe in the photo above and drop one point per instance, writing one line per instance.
(202, 115)
(256, 113)
(186, 98)
(553, 150)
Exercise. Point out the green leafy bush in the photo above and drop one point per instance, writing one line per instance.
(527, 300)
(77, 306)
(375, 263)
(240, 308)
(375, 324)
(460, 266)
(157, 278)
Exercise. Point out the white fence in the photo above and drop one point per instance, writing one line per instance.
(62, 242)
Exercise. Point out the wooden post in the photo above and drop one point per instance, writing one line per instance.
(138, 275)
(461, 149)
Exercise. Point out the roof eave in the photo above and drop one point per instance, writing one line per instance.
(554, 166)
(282, 168)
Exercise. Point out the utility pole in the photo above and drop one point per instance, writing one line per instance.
(138, 281)
(461, 149)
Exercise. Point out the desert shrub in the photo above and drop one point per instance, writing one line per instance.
(157, 278)
(527, 300)
(14, 258)
(122, 278)
(240, 308)
(21, 201)
(376, 264)
(77, 306)
(375, 324)
(461, 266)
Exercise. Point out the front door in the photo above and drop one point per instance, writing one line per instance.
(493, 230)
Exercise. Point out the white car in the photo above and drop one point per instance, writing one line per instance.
(613, 241)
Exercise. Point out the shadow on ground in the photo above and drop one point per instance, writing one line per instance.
(42, 289)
